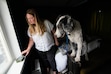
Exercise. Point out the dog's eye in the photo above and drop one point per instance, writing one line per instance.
(59, 26)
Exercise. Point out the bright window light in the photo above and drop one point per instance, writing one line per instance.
(5, 57)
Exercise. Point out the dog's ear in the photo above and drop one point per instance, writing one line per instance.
(68, 19)
(59, 19)
(73, 23)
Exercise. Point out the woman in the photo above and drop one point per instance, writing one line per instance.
(41, 33)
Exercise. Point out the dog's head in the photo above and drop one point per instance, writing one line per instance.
(64, 24)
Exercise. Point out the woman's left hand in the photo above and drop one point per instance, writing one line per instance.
(57, 43)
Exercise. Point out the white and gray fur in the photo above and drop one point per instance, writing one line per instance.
(67, 25)
(71, 27)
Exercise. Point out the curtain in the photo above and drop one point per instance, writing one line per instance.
(96, 22)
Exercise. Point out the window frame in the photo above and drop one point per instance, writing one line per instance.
(9, 39)
(8, 60)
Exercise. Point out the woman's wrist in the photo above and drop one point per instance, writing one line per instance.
(28, 49)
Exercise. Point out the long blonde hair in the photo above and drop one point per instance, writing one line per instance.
(39, 26)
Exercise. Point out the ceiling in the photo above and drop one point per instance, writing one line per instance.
(42, 3)
(54, 2)
(58, 3)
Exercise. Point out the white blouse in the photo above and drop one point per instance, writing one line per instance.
(46, 41)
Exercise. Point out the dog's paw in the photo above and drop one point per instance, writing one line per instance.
(77, 59)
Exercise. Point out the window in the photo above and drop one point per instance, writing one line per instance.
(5, 57)
(9, 47)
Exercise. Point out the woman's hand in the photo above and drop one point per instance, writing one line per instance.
(55, 38)
(30, 44)
(25, 52)
(57, 43)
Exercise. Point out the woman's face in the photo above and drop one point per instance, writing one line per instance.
(30, 19)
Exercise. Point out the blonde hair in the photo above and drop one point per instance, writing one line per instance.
(39, 26)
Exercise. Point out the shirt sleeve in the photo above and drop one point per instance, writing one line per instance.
(28, 33)
(48, 25)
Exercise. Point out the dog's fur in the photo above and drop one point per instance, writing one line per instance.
(72, 28)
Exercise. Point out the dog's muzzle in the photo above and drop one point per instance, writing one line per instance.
(59, 34)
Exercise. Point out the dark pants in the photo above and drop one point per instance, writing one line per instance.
(51, 57)
(47, 59)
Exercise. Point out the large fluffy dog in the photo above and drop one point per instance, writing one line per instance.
(67, 26)
(72, 28)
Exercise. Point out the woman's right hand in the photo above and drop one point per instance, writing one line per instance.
(25, 52)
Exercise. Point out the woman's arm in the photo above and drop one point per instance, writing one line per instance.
(55, 37)
(30, 44)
